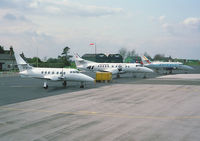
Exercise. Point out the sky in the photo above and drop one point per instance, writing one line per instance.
(44, 27)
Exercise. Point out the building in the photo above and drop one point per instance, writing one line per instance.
(102, 58)
(7, 60)
(115, 58)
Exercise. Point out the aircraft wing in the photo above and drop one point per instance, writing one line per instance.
(112, 70)
(53, 78)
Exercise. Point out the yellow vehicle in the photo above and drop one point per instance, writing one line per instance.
(103, 76)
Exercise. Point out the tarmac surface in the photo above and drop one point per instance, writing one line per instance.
(159, 108)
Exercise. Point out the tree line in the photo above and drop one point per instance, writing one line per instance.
(63, 60)
(132, 54)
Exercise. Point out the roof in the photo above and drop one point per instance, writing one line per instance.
(6, 57)
(89, 55)
(94, 55)
(115, 55)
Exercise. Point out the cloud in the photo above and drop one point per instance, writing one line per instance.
(91, 10)
(161, 18)
(189, 25)
(13, 22)
(14, 17)
(53, 10)
(10, 16)
(169, 28)
(62, 7)
(192, 23)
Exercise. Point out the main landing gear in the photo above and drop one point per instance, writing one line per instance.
(82, 85)
(64, 83)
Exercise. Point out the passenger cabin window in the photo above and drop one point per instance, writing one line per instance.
(42, 72)
(45, 72)
(57, 72)
(49, 72)
(52, 72)
(64, 73)
(60, 72)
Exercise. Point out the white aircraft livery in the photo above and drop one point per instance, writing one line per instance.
(53, 74)
(165, 65)
(114, 68)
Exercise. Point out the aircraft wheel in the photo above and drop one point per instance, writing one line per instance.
(82, 85)
(46, 87)
(65, 83)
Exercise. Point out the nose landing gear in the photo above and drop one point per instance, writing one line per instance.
(65, 83)
(45, 85)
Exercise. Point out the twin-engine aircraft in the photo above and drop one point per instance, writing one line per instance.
(169, 66)
(53, 74)
(114, 68)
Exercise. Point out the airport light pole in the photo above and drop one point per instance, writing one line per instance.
(95, 48)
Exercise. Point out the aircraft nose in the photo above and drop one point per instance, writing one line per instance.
(148, 70)
(88, 78)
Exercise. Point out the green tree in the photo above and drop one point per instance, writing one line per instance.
(65, 57)
(123, 52)
(159, 57)
(131, 53)
(1, 49)
(11, 51)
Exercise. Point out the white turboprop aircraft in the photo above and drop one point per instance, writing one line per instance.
(53, 74)
(114, 68)
(169, 66)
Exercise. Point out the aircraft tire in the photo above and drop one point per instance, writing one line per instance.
(64, 83)
(46, 87)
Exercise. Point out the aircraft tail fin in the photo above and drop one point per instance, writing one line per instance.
(145, 60)
(22, 65)
(80, 61)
